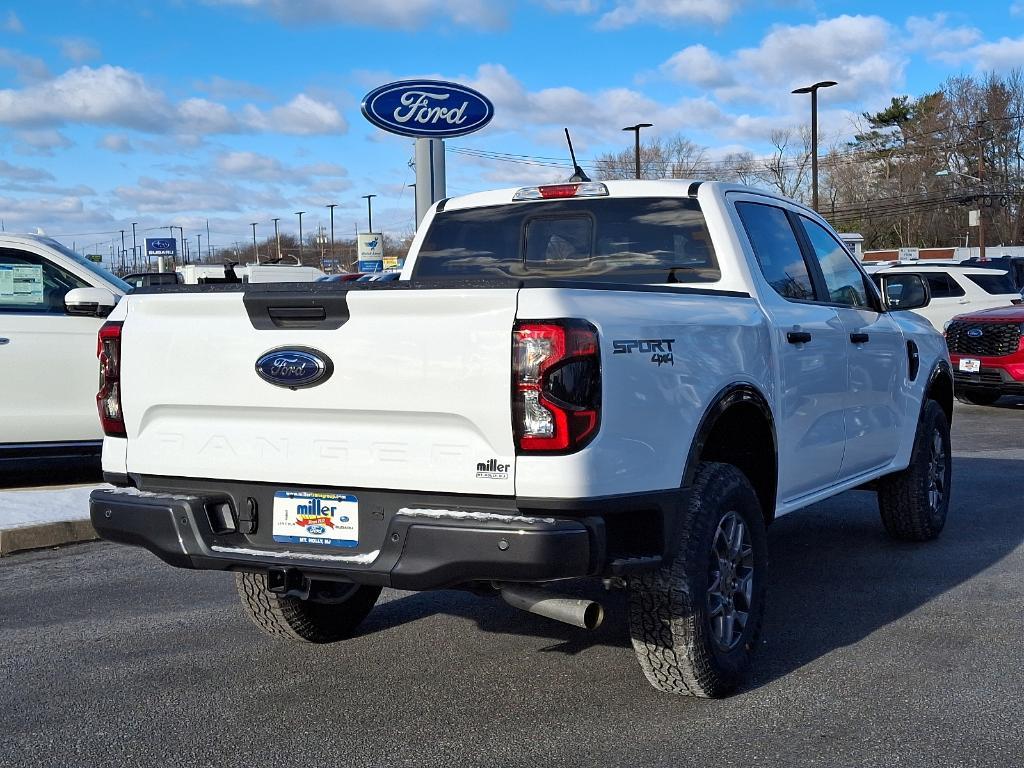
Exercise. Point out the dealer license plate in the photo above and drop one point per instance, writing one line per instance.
(969, 365)
(327, 519)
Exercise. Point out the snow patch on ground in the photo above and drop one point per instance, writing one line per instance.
(51, 505)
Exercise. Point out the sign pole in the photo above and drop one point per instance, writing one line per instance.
(430, 175)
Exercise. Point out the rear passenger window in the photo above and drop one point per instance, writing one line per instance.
(777, 251)
(942, 285)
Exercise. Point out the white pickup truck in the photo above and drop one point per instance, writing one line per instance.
(624, 381)
(52, 303)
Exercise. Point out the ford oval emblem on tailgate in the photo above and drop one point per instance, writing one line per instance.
(294, 367)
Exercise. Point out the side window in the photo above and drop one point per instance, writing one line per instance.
(30, 283)
(942, 285)
(777, 250)
(844, 281)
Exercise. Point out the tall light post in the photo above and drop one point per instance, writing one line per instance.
(277, 239)
(199, 246)
(369, 212)
(255, 248)
(134, 244)
(331, 207)
(636, 130)
(813, 90)
(299, 214)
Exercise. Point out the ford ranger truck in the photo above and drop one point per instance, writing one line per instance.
(622, 381)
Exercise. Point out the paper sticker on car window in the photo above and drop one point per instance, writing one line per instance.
(21, 284)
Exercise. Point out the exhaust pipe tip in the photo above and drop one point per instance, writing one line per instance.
(586, 614)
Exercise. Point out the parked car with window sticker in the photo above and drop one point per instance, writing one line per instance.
(624, 381)
(52, 304)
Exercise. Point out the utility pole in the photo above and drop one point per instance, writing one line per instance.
(813, 90)
(331, 207)
(636, 130)
(209, 242)
(255, 248)
(123, 259)
(299, 214)
(369, 211)
(982, 207)
(199, 246)
(277, 239)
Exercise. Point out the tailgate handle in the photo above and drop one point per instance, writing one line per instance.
(270, 310)
(296, 316)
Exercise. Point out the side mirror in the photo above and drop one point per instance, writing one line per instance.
(905, 291)
(90, 302)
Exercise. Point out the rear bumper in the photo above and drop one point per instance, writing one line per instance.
(414, 542)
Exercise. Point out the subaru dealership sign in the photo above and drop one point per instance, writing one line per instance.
(427, 108)
(161, 246)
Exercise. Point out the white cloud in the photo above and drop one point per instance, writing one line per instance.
(114, 96)
(27, 68)
(301, 116)
(116, 142)
(936, 34)
(570, 6)
(12, 23)
(1017, 9)
(104, 96)
(856, 51)
(23, 173)
(1001, 55)
(250, 165)
(700, 66)
(42, 141)
(670, 12)
(78, 49)
(404, 14)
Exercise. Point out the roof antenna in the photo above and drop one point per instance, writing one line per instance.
(578, 173)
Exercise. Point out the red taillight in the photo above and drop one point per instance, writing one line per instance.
(108, 399)
(556, 385)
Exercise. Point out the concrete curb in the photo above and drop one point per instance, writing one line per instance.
(45, 535)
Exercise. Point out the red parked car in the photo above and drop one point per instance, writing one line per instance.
(987, 351)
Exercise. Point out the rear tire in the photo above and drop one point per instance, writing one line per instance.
(332, 613)
(695, 623)
(913, 503)
(977, 396)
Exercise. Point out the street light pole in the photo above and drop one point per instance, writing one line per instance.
(813, 90)
(255, 248)
(124, 259)
(199, 246)
(299, 214)
(331, 207)
(369, 211)
(277, 239)
(636, 130)
(134, 244)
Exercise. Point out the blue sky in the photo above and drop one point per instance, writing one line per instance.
(241, 110)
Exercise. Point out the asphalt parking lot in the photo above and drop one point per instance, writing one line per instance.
(875, 654)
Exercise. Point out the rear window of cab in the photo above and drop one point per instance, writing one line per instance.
(616, 240)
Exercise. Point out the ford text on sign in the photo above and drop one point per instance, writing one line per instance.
(427, 108)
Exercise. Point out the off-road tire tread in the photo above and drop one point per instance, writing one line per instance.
(302, 620)
(671, 647)
(903, 496)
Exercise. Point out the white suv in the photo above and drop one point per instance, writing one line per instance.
(52, 304)
(954, 289)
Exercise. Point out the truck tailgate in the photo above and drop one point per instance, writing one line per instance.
(419, 396)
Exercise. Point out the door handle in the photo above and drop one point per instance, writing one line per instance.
(798, 337)
(859, 338)
(4, 341)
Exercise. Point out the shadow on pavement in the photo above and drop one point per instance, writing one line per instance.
(835, 576)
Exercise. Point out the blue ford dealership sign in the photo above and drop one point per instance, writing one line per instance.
(427, 108)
